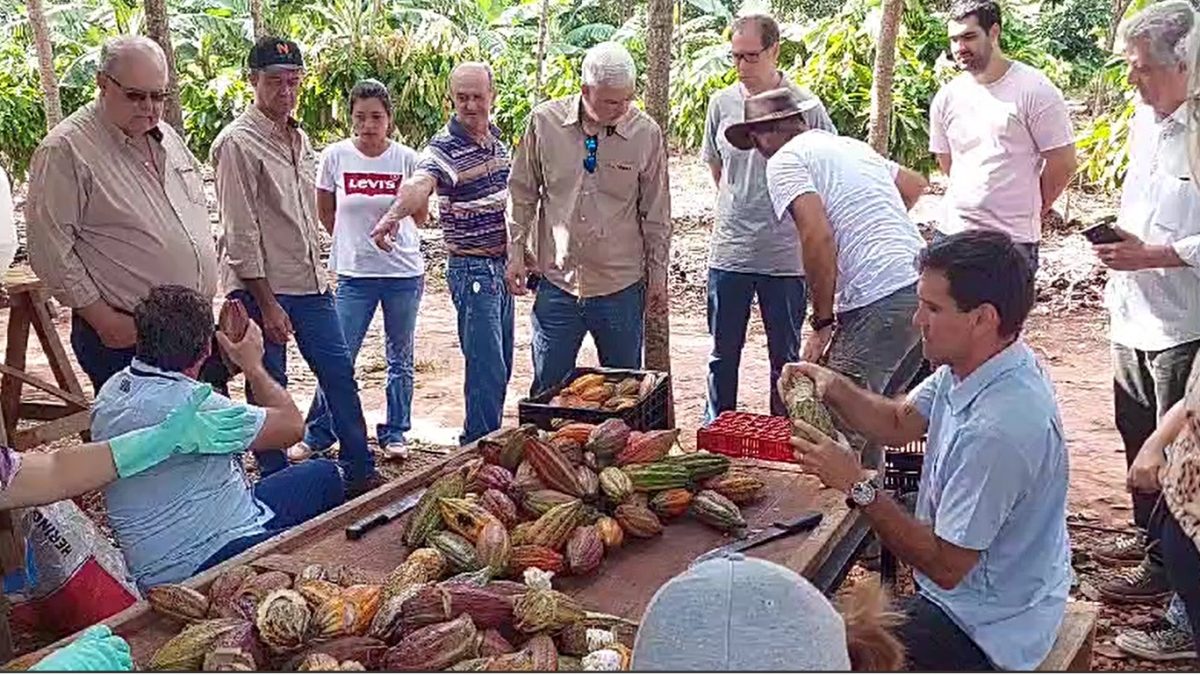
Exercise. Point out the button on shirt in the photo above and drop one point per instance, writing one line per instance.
(593, 233)
(267, 201)
(103, 224)
(1157, 309)
(174, 516)
(995, 481)
(748, 237)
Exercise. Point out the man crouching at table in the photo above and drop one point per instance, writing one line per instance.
(989, 542)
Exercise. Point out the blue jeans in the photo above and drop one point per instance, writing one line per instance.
(560, 320)
(782, 302)
(296, 494)
(355, 300)
(319, 336)
(485, 334)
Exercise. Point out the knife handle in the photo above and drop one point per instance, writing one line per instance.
(804, 522)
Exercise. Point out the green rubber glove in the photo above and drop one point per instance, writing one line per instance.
(95, 650)
(185, 431)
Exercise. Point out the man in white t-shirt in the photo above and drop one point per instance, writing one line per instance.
(858, 244)
(1001, 132)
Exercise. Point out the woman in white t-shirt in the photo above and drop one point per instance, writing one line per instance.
(356, 181)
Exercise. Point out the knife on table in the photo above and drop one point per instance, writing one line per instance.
(383, 516)
(777, 530)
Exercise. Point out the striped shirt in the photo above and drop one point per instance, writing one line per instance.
(472, 187)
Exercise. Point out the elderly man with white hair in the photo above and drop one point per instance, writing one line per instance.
(589, 194)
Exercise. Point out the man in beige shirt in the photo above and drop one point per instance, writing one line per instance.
(270, 249)
(116, 206)
(589, 193)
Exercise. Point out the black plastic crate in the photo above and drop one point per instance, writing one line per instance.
(903, 472)
(649, 413)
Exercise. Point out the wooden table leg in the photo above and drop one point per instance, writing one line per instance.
(14, 357)
(56, 354)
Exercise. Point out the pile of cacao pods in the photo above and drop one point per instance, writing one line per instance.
(595, 391)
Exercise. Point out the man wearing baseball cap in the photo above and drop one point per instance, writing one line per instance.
(270, 250)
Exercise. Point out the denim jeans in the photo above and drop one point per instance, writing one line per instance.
(485, 335)
(100, 362)
(355, 300)
(560, 320)
(319, 336)
(782, 303)
(296, 494)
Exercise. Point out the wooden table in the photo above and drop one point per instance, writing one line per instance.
(623, 585)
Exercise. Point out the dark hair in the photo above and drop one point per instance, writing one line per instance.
(768, 30)
(369, 88)
(986, 12)
(174, 328)
(984, 267)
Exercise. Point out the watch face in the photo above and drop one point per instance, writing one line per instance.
(863, 493)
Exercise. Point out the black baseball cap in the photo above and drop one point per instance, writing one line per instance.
(273, 52)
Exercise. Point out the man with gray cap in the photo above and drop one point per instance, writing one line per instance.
(849, 206)
(271, 253)
(753, 251)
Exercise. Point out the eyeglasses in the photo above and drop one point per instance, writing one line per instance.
(748, 57)
(137, 95)
(590, 144)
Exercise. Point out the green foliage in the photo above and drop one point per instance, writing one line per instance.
(1103, 144)
(1074, 30)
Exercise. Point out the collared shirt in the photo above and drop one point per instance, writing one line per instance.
(267, 202)
(593, 233)
(995, 481)
(748, 237)
(1157, 309)
(103, 224)
(472, 188)
(171, 518)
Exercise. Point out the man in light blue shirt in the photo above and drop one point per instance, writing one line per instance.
(192, 511)
(989, 540)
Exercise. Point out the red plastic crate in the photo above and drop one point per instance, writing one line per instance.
(740, 434)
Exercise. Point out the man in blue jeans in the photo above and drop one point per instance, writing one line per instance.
(271, 254)
(467, 164)
(192, 511)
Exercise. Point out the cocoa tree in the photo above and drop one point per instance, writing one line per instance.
(658, 75)
(160, 31)
(880, 126)
(45, 58)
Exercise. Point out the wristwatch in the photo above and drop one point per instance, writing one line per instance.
(862, 494)
(820, 324)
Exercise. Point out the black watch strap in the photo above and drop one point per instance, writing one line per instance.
(820, 324)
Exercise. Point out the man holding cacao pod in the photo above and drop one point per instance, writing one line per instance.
(271, 250)
(989, 540)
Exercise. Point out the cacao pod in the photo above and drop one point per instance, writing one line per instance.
(500, 506)
(671, 503)
(805, 405)
(589, 481)
(638, 521)
(575, 431)
(479, 578)
(186, 650)
(346, 575)
(648, 447)
(317, 591)
(492, 477)
(553, 468)
(541, 557)
(225, 587)
(178, 602)
(570, 664)
(539, 502)
(459, 553)
(443, 602)
(506, 587)
(365, 599)
(740, 487)
(584, 381)
(526, 480)
(616, 484)
(546, 610)
(713, 509)
(543, 653)
(518, 662)
(427, 515)
(585, 550)
(313, 571)
(701, 464)
(607, 439)
(364, 650)
(478, 665)
(283, 620)
(570, 448)
(492, 643)
(317, 663)
(552, 528)
(333, 618)
(572, 640)
(228, 660)
(657, 476)
(435, 647)
(494, 546)
(507, 448)
(351, 667)
(388, 624)
(610, 533)
(261, 585)
(421, 566)
(465, 517)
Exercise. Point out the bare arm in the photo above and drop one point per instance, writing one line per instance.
(820, 254)
(284, 425)
(892, 422)
(412, 199)
(911, 185)
(48, 477)
(326, 208)
(1057, 173)
(944, 162)
(715, 169)
(916, 544)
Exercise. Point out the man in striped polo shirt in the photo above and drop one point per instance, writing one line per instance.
(467, 164)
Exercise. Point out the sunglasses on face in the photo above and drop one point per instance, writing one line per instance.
(748, 57)
(590, 144)
(137, 95)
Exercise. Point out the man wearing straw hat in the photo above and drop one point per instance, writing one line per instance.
(850, 208)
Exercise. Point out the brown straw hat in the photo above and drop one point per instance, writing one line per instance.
(769, 106)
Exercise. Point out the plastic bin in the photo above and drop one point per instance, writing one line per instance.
(649, 413)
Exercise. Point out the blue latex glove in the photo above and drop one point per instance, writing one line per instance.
(96, 649)
(185, 431)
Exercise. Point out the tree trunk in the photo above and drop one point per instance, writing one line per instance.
(658, 75)
(258, 24)
(45, 57)
(879, 130)
(160, 32)
(541, 51)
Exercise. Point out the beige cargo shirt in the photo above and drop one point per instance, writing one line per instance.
(593, 233)
(267, 205)
(104, 224)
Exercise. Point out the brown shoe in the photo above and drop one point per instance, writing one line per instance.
(1144, 583)
(1126, 551)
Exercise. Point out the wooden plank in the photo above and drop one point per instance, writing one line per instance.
(78, 401)
(49, 432)
(14, 357)
(45, 412)
(52, 346)
(1072, 650)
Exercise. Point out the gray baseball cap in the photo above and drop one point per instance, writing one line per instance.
(738, 613)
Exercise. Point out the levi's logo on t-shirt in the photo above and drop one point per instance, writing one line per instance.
(371, 184)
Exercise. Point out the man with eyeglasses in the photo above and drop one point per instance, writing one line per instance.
(752, 251)
(271, 253)
(589, 194)
(116, 207)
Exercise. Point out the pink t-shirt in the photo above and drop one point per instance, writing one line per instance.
(995, 134)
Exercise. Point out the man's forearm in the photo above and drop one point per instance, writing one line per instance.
(882, 420)
(260, 290)
(1052, 185)
(409, 201)
(820, 270)
(909, 539)
(267, 392)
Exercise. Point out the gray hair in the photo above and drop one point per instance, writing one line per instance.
(1163, 27)
(471, 65)
(122, 46)
(609, 64)
(768, 28)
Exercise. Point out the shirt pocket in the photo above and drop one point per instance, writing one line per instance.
(1178, 208)
(193, 186)
(618, 179)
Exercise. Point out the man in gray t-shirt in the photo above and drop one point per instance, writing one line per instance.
(752, 250)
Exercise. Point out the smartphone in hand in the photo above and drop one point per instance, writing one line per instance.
(1103, 233)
